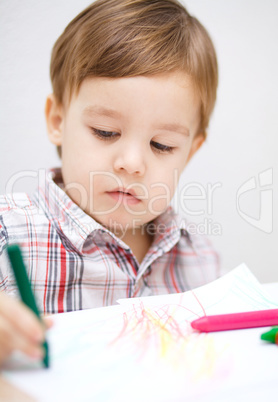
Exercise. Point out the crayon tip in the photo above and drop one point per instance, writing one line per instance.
(271, 336)
(46, 356)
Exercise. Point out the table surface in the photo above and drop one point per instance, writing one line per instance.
(10, 393)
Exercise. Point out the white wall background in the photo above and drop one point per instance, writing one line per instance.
(243, 134)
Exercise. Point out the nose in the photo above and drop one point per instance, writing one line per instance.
(130, 158)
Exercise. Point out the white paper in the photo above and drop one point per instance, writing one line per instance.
(145, 349)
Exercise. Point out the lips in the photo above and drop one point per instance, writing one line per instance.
(124, 195)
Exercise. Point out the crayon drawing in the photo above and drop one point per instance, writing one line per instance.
(161, 335)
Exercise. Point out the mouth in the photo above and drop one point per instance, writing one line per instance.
(125, 196)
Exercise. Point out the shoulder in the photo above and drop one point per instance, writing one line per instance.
(14, 201)
(196, 247)
(16, 207)
(201, 246)
(197, 237)
(193, 237)
(18, 213)
(197, 234)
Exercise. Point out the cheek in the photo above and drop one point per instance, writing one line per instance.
(166, 176)
(76, 184)
(162, 190)
(81, 154)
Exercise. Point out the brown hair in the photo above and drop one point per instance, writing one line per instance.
(125, 38)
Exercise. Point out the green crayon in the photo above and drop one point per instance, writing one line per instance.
(271, 336)
(24, 287)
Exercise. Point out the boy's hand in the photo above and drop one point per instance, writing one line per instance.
(20, 329)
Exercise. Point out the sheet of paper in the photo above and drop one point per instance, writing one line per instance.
(145, 349)
(237, 291)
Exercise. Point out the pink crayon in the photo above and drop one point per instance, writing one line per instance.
(226, 322)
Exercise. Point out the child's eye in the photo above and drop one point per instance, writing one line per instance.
(104, 135)
(161, 148)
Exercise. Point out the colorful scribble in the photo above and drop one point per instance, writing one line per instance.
(161, 335)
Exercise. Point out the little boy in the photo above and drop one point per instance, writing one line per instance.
(134, 85)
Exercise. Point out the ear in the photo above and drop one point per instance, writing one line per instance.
(54, 120)
(196, 144)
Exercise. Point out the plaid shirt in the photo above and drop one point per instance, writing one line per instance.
(75, 263)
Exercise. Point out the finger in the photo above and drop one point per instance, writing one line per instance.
(6, 334)
(21, 318)
(33, 350)
(48, 322)
(11, 340)
(3, 355)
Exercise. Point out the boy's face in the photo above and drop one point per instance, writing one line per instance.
(125, 142)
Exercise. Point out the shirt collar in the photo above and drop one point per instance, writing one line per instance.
(168, 227)
(69, 219)
(77, 226)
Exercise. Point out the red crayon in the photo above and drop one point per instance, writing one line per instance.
(226, 322)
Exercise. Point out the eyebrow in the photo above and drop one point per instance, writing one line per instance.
(177, 128)
(101, 111)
